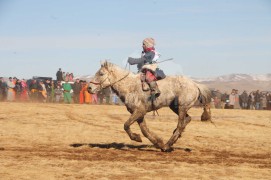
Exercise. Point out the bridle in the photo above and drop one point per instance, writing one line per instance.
(107, 78)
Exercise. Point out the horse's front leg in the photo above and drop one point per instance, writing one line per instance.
(182, 122)
(158, 142)
(137, 114)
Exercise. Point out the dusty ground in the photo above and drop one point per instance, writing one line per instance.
(51, 141)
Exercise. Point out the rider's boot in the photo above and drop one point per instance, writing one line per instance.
(155, 92)
(145, 85)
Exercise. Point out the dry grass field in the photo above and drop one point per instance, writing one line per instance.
(58, 141)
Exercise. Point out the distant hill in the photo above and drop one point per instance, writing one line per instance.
(236, 77)
(226, 83)
(238, 81)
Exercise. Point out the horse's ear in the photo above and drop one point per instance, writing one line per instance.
(103, 63)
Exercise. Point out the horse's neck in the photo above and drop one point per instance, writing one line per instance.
(124, 82)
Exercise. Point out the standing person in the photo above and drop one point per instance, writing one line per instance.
(59, 75)
(147, 66)
(87, 95)
(63, 76)
(236, 103)
(264, 102)
(101, 96)
(81, 94)
(107, 93)
(67, 92)
(232, 99)
(223, 100)
(67, 77)
(48, 86)
(11, 93)
(58, 83)
(212, 103)
(268, 96)
(94, 98)
(76, 91)
(71, 77)
(244, 99)
(34, 92)
(18, 89)
(17, 85)
(42, 92)
(58, 93)
(24, 94)
(257, 99)
(217, 99)
(250, 103)
(3, 89)
(52, 96)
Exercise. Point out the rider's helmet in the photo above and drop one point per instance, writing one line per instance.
(148, 43)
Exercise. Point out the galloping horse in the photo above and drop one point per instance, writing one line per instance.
(177, 92)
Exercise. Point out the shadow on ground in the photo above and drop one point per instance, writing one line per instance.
(122, 146)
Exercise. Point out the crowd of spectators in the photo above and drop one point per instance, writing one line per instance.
(46, 90)
(253, 100)
(66, 89)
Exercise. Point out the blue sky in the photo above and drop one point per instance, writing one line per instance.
(205, 37)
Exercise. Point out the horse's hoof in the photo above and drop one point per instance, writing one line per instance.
(169, 149)
(203, 119)
(137, 138)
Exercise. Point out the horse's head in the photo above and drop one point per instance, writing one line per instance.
(101, 78)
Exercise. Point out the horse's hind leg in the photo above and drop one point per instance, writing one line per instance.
(158, 142)
(175, 108)
(182, 122)
(206, 115)
(134, 117)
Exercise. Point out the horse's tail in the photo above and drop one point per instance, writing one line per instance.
(204, 94)
(205, 100)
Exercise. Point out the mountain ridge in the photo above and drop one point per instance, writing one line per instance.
(236, 77)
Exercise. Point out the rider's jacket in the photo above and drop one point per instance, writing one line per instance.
(149, 57)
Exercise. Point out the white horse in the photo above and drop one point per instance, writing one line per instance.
(177, 92)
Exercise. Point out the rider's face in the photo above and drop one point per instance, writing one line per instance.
(143, 46)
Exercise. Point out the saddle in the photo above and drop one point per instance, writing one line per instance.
(157, 72)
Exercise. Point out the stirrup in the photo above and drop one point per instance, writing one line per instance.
(157, 93)
(152, 97)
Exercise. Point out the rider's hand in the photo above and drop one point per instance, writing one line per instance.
(130, 60)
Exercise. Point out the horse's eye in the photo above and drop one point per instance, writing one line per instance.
(101, 73)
